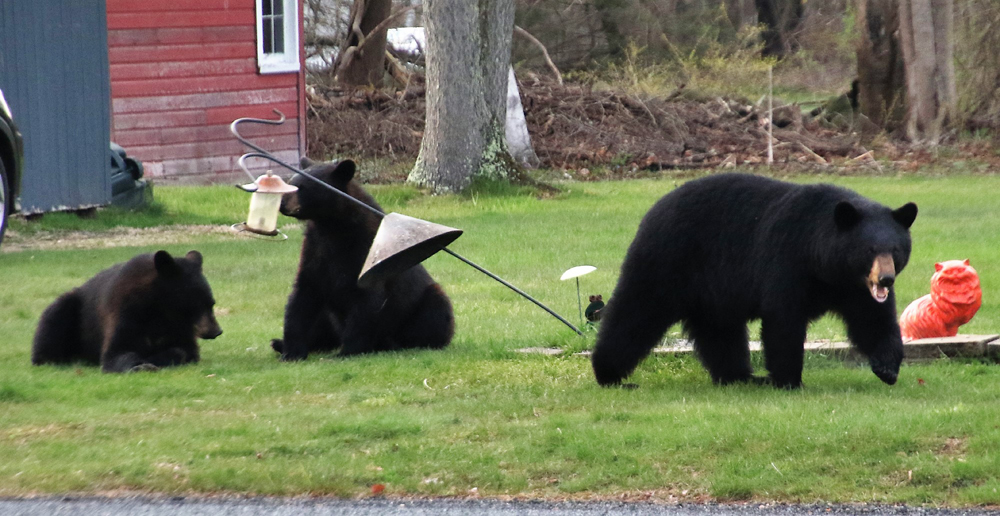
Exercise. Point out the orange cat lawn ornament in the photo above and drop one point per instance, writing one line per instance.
(955, 297)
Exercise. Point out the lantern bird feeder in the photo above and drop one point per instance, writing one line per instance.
(400, 242)
(265, 200)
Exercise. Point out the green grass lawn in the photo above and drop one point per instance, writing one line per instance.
(480, 415)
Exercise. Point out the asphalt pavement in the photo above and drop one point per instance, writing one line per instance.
(135, 506)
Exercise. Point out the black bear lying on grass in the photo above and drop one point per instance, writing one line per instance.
(729, 248)
(142, 314)
(327, 309)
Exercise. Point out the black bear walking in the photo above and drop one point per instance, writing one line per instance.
(141, 314)
(729, 248)
(327, 309)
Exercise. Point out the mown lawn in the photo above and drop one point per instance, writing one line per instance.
(480, 415)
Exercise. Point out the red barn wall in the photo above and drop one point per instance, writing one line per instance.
(181, 72)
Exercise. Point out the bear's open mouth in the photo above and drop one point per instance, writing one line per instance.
(881, 277)
(880, 293)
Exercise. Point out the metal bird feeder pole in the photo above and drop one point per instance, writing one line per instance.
(261, 153)
(579, 302)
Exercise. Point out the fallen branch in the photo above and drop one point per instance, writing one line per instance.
(545, 53)
(637, 103)
(396, 71)
(812, 155)
(676, 93)
(348, 54)
(868, 156)
(827, 146)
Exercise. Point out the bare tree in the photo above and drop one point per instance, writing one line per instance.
(361, 60)
(323, 26)
(779, 18)
(977, 62)
(925, 28)
(881, 81)
(468, 55)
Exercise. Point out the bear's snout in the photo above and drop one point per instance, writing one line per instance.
(881, 277)
(290, 204)
(208, 327)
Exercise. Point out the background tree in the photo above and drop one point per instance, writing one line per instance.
(977, 63)
(609, 13)
(361, 59)
(468, 56)
(779, 18)
(881, 80)
(926, 38)
(324, 27)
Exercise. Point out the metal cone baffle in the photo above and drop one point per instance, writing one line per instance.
(400, 243)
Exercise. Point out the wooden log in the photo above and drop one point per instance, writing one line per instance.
(914, 350)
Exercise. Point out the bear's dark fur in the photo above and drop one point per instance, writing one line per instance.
(142, 314)
(327, 309)
(723, 250)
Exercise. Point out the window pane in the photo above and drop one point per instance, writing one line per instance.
(278, 7)
(268, 35)
(279, 34)
(268, 7)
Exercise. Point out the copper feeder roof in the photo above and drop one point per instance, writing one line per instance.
(269, 183)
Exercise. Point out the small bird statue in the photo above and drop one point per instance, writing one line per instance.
(593, 310)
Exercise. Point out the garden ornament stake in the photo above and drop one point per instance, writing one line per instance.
(400, 242)
(576, 272)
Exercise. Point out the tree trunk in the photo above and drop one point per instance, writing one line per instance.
(881, 81)
(925, 29)
(779, 18)
(608, 11)
(468, 55)
(364, 65)
(740, 13)
(977, 61)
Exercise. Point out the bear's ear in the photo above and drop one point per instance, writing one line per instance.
(938, 266)
(165, 263)
(966, 262)
(195, 258)
(344, 171)
(305, 163)
(905, 214)
(846, 215)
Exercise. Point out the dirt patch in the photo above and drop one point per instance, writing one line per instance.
(15, 242)
(953, 448)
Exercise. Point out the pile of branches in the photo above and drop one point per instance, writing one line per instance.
(365, 123)
(575, 127)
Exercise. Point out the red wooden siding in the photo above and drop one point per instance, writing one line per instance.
(181, 72)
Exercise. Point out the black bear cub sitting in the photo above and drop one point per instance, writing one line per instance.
(327, 309)
(142, 314)
(729, 248)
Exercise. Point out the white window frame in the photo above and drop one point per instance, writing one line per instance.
(287, 61)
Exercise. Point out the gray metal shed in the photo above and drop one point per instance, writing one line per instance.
(54, 74)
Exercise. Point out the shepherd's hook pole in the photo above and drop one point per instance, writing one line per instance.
(261, 153)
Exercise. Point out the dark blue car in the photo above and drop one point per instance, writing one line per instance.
(11, 163)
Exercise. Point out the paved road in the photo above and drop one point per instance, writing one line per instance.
(382, 507)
